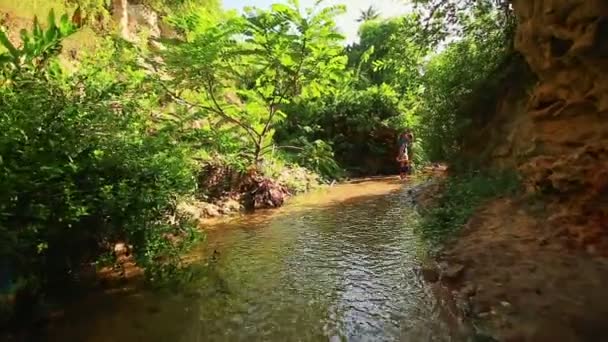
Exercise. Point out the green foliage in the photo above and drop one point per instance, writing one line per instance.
(444, 18)
(461, 83)
(36, 46)
(79, 169)
(172, 6)
(372, 47)
(102, 155)
(244, 69)
(91, 8)
(461, 196)
(441, 91)
(319, 157)
(348, 122)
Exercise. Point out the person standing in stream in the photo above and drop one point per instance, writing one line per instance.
(405, 142)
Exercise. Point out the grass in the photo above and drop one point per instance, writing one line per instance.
(461, 196)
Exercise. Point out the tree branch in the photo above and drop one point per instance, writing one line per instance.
(282, 96)
(220, 112)
(217, 110)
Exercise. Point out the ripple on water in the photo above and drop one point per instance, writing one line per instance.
(334, 272)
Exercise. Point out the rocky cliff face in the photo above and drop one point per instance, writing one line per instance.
(565, 126)
(133, 18)
(556, 133)
(120, 15)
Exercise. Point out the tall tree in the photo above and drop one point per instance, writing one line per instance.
(244, 69)
(371, 13)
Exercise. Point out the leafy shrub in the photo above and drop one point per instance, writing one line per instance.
(80, 171)
(462, 82)
(355, 123)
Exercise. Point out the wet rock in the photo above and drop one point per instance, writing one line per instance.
(505, 304)
(430, 274)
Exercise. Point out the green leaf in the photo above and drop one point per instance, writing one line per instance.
(4, 58)
(37, 30)
(280, 8)
(51, 18)
(8, 45)
(287, 61)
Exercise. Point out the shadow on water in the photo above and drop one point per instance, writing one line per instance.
(331, 266)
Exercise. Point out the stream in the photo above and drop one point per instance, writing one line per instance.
(333, 265)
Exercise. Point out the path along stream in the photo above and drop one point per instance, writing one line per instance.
(335, 265)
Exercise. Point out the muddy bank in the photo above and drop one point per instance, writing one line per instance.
(513, 277)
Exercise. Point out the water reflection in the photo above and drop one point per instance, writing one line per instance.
(336, 265)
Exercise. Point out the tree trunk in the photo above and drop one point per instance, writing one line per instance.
(257, 154)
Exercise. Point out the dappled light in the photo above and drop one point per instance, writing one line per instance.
(191, 170)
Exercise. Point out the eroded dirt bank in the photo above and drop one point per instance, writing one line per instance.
(535, 268)
(522, 279)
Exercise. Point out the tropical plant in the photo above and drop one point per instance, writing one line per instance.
(371, 13)
(36, 47)
(372, 46)
(242, 70)
(449, 17)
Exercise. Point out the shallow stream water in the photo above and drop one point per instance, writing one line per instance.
(334, 265)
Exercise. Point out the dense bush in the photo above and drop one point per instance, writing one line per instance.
(462, 82)
(79, 170)
(356, 124)
(240, 71)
